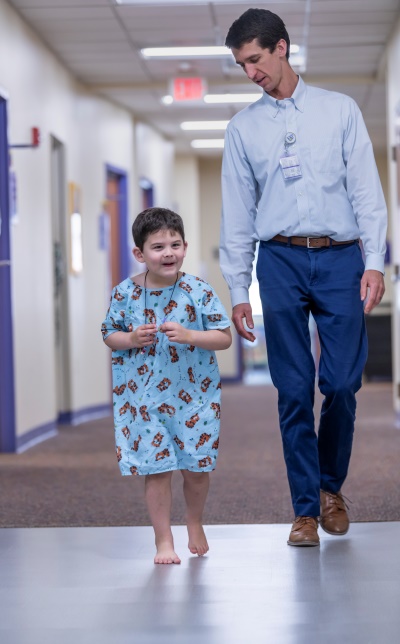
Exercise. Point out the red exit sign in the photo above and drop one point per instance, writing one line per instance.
(188, 89)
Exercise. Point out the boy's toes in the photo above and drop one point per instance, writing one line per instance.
(166, 558)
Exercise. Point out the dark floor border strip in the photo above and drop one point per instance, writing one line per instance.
(84, 415)
(231, 380)
(41, 433)
(36, 435)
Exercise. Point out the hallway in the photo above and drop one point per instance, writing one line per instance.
(73, 479)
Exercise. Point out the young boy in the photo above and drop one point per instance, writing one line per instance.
(164, 327)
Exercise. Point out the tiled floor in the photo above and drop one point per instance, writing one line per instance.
(99, 585)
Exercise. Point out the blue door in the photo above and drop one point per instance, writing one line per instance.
(7, 409)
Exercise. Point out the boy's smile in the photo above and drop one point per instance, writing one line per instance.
(163, 252)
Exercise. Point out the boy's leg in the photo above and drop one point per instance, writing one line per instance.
(159, 500)
(195, 489)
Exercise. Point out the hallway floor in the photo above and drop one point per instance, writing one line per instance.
(99, 586)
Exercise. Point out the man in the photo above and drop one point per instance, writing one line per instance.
(299, 175)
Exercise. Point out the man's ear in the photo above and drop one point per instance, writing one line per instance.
(281, 47)
(138, 255)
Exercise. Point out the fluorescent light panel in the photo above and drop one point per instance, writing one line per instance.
(207, 144)
(197, 52)
(170, 3)
(219, 99)
(204, 125)
(185, 52)
(232, 98)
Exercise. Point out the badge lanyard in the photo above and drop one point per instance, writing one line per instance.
(290, 163)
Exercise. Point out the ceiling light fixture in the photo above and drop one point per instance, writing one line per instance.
(185, 52)
(215, 51)
(204, 125)
(220, 98)
(232, 98)
(207, 143)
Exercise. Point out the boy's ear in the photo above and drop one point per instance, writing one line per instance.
(138, 255)
(185, 245)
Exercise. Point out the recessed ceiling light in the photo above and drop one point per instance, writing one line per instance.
(204, 125)
(167, 100)
(207, 143)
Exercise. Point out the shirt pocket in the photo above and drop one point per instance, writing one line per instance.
(327, 156)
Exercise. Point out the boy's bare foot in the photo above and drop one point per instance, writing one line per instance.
(166, 554)
(197, 539)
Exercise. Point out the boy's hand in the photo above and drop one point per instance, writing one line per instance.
(143, 335)
(175, 332)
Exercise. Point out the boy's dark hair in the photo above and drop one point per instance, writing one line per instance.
(265, 26)
(152, 220)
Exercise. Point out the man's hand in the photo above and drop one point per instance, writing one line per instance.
(240, 312)
(373, 282)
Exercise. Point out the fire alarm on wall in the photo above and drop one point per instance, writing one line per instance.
(35, 132)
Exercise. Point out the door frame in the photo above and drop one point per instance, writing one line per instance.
(7, 394)
(124, 256)
(59, 230)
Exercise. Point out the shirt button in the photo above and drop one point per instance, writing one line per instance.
(300, 194)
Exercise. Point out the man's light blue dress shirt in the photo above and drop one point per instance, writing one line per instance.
(339, 193)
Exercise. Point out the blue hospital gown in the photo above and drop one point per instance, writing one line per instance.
(166, 399)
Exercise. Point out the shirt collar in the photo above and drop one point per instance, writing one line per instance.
(298, 97)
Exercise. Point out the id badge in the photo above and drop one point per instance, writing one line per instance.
(290, 167)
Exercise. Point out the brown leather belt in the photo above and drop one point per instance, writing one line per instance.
(311, 242)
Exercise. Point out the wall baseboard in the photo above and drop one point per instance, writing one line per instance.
(41, 433)
(34, 436)
(84, 415)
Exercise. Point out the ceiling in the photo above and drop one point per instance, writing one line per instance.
(99, 42)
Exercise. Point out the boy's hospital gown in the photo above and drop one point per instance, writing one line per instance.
(167, 398)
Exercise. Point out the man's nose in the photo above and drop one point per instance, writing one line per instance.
(250, 71)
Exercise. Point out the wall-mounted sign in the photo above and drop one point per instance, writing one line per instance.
(75, 210)
(188, 89)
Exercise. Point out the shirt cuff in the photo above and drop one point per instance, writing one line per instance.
(375, 263)
(239, 295)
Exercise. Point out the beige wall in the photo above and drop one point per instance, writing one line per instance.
(210, 217)
(155, 161)
(393, 132)
(198, 201)
(43, 94)
(382, 164)
(187, 204)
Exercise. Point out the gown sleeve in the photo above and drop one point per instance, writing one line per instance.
(115, 318)
(213, 312)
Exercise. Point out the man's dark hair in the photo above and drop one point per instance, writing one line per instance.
(152, 220)
(265, 26)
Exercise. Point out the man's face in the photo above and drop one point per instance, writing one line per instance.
(262, 67)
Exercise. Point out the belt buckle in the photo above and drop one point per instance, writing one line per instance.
(308, 241)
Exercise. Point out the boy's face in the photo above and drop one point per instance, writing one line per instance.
(163, 252)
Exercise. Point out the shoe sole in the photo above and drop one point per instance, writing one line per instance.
(334, 534)
(305, 543)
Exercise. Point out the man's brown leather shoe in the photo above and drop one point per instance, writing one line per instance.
(304, 532)
(334, 518)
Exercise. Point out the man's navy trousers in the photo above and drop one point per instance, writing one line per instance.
(294, 282)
